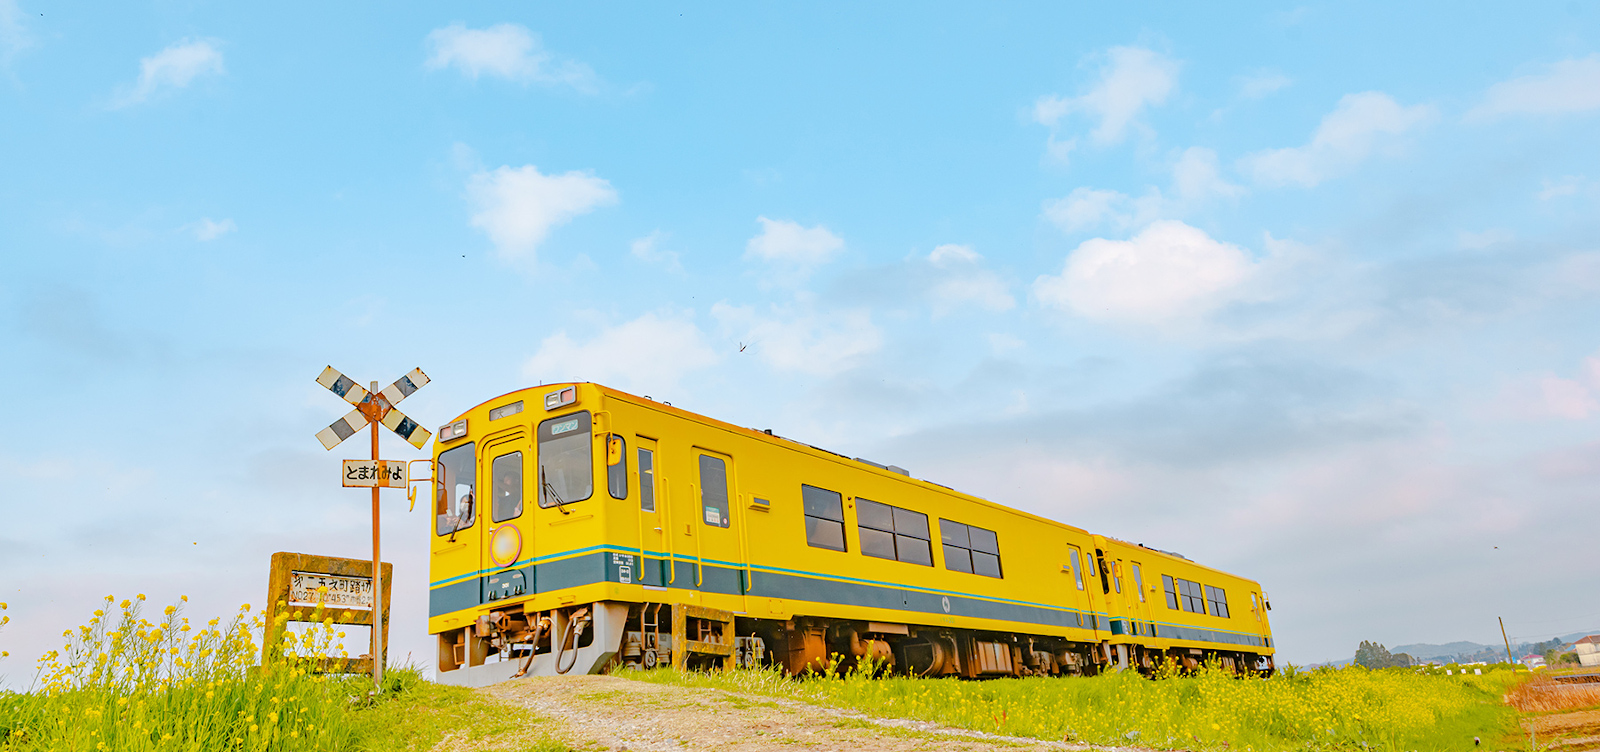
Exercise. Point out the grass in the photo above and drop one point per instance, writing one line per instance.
(1543, 694)
(123, 682)
(1323, 709)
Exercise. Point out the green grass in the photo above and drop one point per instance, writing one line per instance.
(1324, 709)
(170, 685)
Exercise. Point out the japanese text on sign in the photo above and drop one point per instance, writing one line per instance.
(342, 592)
(374, 473)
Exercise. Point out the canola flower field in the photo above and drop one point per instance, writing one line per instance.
(124, 682)
(1323, 709)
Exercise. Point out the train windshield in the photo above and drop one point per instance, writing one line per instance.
(456, 505)
(566, 467)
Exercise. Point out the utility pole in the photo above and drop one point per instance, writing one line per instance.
(1507, 639)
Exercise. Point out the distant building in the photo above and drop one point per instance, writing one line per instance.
(1533, 661)
(1588, 650)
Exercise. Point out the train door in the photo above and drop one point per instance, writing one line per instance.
(716, 529)
(653, 536)
(1076, 564)
(457, 541)
(507, 539)
(1138, 598)
(1258, 611)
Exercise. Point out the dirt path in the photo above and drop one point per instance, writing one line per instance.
(607, 712)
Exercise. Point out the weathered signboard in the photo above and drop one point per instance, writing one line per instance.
(329, 590)
(374, 474)
(295, 587)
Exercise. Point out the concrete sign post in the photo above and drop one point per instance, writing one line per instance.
(343, 587)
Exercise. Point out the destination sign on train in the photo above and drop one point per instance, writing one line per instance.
(374, 474)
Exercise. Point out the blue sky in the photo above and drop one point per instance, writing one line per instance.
(1304, 292)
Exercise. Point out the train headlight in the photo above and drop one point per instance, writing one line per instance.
(453, 431)
(561, 398)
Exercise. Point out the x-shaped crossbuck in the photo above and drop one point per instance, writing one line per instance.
(373, 408)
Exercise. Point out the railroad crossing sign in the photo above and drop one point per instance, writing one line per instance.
(375, 408)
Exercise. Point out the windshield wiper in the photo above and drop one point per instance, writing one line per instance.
(550, 490)
(468, 520)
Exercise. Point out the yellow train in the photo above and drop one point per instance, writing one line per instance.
(578, 528)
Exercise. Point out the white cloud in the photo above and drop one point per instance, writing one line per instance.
(1085, 208)
(1001, 343)
(1566, 186)
(1131, 79)
(517, 207)
(964, 281)
(172, 68)
(506, 50)
(1566, 398)
(207, 229)
(1567, 86)
(650, 355)
(646, 249)
(805, 342)
(1477, 241)
(1168, 271)
(784, 242)
(1262, 84)
(951, 255)
(1552, 396)
(14, 36)
(1196, 177)
(1347, 136)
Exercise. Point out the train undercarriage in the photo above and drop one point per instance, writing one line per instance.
(604, 636)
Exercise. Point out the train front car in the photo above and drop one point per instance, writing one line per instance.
(577, 528)
(521, 574)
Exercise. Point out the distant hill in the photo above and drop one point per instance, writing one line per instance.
(1468, 651)
(1424, 651)
(1427, 651)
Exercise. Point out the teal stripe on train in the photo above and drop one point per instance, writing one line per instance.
(613, 566)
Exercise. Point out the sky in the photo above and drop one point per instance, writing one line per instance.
(1304, 292)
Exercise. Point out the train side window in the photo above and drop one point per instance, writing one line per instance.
(714, 490)
(506, 471)
(1172, 591)
(454, 508)
(824, 511)
(957, 546)
(1217, 600)
(889, 532)
(617, 475)
(1077, 576)
(647, 480)
(1255, 606)
(1138, 581)
(1192, 596)
(970, 549)
(1116, 576)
